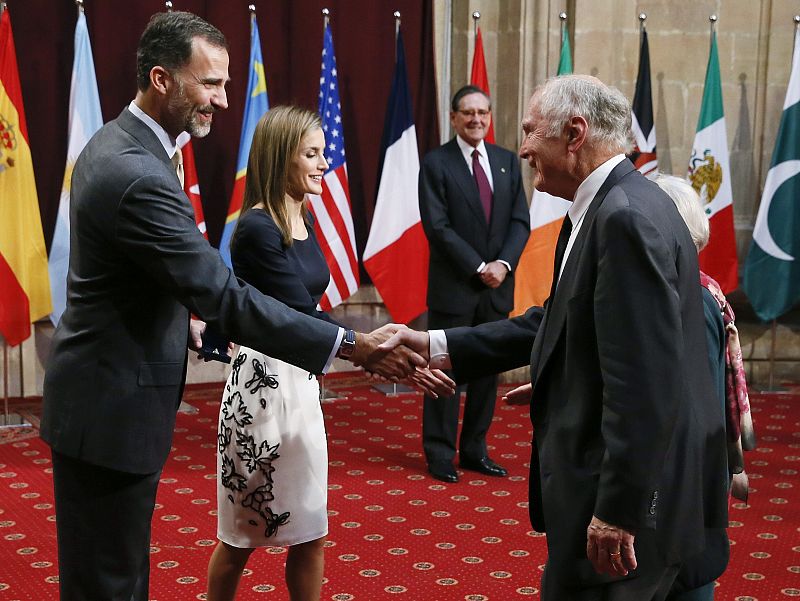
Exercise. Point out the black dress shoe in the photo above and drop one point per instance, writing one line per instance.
(444, 471)
(484, 465)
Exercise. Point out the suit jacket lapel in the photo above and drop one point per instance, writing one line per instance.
(556, 312)
(143, 134)
(461, 174)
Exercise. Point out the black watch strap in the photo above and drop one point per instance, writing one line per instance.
(347, 345)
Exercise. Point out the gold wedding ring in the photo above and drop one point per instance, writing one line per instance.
(617, 554)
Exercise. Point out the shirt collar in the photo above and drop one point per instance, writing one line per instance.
(590, 187)
(466, 149)
(168, 142)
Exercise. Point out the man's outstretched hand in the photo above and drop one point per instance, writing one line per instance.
(419, 342)
(394, 363)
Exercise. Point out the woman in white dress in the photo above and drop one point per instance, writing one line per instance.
(272, 453)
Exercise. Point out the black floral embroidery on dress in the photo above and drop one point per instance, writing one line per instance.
(240, 414)
(261, 379)
(256, 457)
(237, 365)
(231, 479)
(223, 437)
(258, 501)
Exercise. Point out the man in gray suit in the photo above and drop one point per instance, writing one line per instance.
(138, 267)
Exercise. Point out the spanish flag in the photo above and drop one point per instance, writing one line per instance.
(23, 257)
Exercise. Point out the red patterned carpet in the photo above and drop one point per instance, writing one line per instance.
(394, 532)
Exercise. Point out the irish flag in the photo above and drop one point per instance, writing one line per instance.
(24, 280)
(709, 173)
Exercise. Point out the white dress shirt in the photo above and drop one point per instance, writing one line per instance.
(168, 142)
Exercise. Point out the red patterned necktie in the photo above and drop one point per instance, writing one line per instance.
(484, 189)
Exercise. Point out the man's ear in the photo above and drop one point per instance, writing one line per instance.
(577, 130)
(160, 79)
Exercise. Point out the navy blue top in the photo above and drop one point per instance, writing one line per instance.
(296, 275)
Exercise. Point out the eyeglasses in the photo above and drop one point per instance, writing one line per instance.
(479, 113)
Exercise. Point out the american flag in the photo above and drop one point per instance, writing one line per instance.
(332, 212)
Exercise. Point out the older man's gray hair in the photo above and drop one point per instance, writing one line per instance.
(605, 109)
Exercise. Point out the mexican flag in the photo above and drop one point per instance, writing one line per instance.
(772, 271)
(709, 174)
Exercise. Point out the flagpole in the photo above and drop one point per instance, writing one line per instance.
(563, 16)
(712, 21)
(476, 16)
(7, 417)
(796, 20)
(642, 25)
(324, 394)
(393, 389)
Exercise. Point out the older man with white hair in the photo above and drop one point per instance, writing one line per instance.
(618, 363)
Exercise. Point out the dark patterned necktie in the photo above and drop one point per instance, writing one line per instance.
(561, 248)
(484, 189)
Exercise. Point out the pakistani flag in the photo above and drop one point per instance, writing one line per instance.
(709, 173)
(771, 272)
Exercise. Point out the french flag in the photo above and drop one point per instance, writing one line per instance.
(396, 255)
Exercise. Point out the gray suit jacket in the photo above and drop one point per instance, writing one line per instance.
(627, 423)
(459, 236)
(138, 267)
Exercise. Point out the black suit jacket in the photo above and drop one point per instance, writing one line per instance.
(459, 237)
(627, 424)
(138, 266)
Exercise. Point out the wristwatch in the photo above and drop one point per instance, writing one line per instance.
(347, 345)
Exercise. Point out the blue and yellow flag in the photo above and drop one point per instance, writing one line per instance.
(255, 106)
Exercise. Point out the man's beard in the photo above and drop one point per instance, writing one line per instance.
(187, 113)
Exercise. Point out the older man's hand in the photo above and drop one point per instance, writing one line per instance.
(419, 342)
(521, 395)
(433, 382)
(610, 548)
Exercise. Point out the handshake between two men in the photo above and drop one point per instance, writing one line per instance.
(400, 347)
(397, 353)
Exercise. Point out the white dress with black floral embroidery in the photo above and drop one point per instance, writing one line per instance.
(272, 455)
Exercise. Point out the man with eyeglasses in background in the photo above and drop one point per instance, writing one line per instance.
(475, 215)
